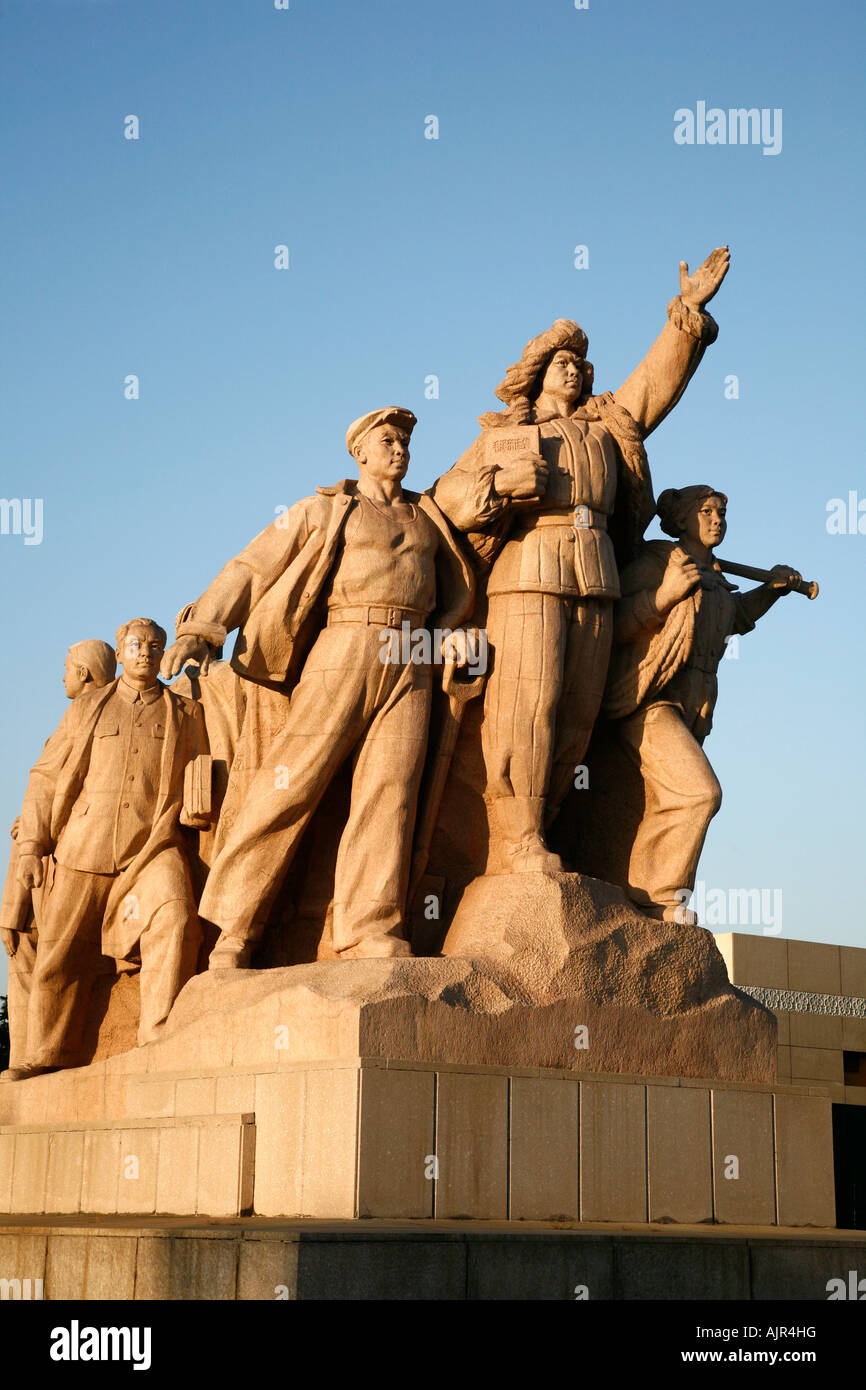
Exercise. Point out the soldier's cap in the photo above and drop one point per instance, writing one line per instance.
(391, 415)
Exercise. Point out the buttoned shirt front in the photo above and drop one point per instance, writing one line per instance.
(125, 770)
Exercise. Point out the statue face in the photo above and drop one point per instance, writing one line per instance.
(563, 377)
(384, 452)
(706, 522)
(74, 677)
(140, 654)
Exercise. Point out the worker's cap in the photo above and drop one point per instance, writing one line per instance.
(392, 415)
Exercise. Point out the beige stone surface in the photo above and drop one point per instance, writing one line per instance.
(654, 995)
(854, 1034)
(102, 1170)
(139, 1149)
(755, 960)
(395, 1142)
(23, 1255)
(852, 971)
(816, 1064)
(613, 1152)
(177, 1176)
(88, 1095)
(153, 1268)
(65, 1168)
(814, 966)
(7, 1167)
(816, 1030)
(544, 1133)
(31, 1171)
(805, 1191)
(306, 1143)
(66, 1267)
(226, 1168)
(195, 1096)
(146, 1098)
(743, 1129)
(679, 1162)
(110, 1269)
(235, 1094)
(200, 1269)
(266, 1266)
(472, 1146)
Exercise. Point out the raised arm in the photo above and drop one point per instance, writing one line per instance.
(656, 385)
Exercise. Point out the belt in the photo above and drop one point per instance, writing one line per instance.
(376, 616)
(581, 518)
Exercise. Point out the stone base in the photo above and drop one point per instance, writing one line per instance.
(341, 1139)
(334, 1261)
(538, 971)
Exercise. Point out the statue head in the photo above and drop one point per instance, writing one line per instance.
(140, 645)
(552, 377)
(88, 663)
(694, 513)
(379, 443)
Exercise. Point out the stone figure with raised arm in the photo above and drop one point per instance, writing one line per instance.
(313, 598)
(555, 494)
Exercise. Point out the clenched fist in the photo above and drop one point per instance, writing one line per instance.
(180, 652)
(523, 478)
(682, 577)
(29, 871)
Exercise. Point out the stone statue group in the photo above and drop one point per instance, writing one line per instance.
(153, 812)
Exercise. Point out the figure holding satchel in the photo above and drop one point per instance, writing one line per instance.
(672, 623)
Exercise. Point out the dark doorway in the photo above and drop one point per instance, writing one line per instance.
(849, 1164)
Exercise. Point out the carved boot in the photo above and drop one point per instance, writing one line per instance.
(24, 1073)
(681, 915)
(232, 952)
(520, 820)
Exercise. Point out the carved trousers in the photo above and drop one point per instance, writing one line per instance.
(69, 955)
(346, 705)
(550, 660)
(682, 796)
(20, 977)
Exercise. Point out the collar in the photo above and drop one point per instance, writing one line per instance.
(348, 485)
(130, 695)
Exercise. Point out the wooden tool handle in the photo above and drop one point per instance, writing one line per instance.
(809, 587)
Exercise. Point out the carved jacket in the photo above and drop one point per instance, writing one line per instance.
(596, 462)
(671, 660)
(272, 591)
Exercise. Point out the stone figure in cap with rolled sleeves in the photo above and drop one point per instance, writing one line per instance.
(555, 494)
(312, 598)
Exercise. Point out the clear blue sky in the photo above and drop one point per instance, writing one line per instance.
(411, 257)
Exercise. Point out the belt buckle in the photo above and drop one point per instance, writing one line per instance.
(582, 518)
